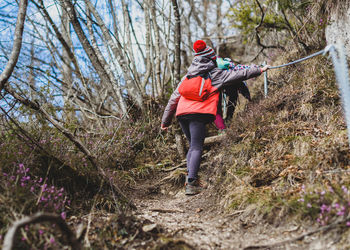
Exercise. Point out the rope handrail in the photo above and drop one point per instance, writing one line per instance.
(340, 65)
(323, 51)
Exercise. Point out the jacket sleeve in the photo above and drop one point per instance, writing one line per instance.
(170, 108)
(230, 76)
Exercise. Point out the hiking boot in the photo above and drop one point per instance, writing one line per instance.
(193, 187)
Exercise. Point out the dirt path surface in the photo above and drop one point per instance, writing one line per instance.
(198, 221)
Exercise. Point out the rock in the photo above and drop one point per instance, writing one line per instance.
(338, 28)
(148, 228)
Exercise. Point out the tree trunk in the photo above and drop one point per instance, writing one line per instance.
(179, 139)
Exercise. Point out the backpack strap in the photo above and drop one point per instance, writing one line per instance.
(202, 85)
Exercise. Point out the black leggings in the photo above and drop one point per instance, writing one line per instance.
(195, 133)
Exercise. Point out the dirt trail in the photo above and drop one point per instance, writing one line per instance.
(198, 221)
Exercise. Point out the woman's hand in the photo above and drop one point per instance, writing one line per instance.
(265, 68)
(163, 127)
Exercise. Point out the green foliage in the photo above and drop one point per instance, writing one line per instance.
(293, 20)
(245, 15)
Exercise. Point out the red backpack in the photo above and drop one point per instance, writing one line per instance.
(196, 88)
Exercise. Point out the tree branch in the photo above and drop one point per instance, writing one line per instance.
(257, 35)
(17, 44)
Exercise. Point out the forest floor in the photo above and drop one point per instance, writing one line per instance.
(201, 223)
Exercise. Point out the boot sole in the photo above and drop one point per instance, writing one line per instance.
(192, 193)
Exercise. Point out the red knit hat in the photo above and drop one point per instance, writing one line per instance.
(201, 49)
(199, 46)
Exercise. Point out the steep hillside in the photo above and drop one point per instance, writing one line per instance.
(278, 179)
(287, 156)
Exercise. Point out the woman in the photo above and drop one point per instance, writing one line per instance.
(194, 115)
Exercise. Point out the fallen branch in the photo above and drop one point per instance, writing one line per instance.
(166, 210)
(208, 140)
(38, 218)
(300, 237)
(214, 139)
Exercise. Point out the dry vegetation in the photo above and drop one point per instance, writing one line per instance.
(287, 154)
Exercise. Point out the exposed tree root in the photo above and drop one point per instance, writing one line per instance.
(300, 237)
(38, 218)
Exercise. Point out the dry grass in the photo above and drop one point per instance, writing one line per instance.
(293, 138)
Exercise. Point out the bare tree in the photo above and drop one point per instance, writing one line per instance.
(17, 44)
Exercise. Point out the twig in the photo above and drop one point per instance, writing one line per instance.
(38, 218)
(166, 210)
(235, 213)
(176, 167)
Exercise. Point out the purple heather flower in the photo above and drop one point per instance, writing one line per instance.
(41, 231)
(324, 207)
(63, 215)
(323, 192)
(308, 205)
(340, 213)
(348, 223)
(52, 240)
